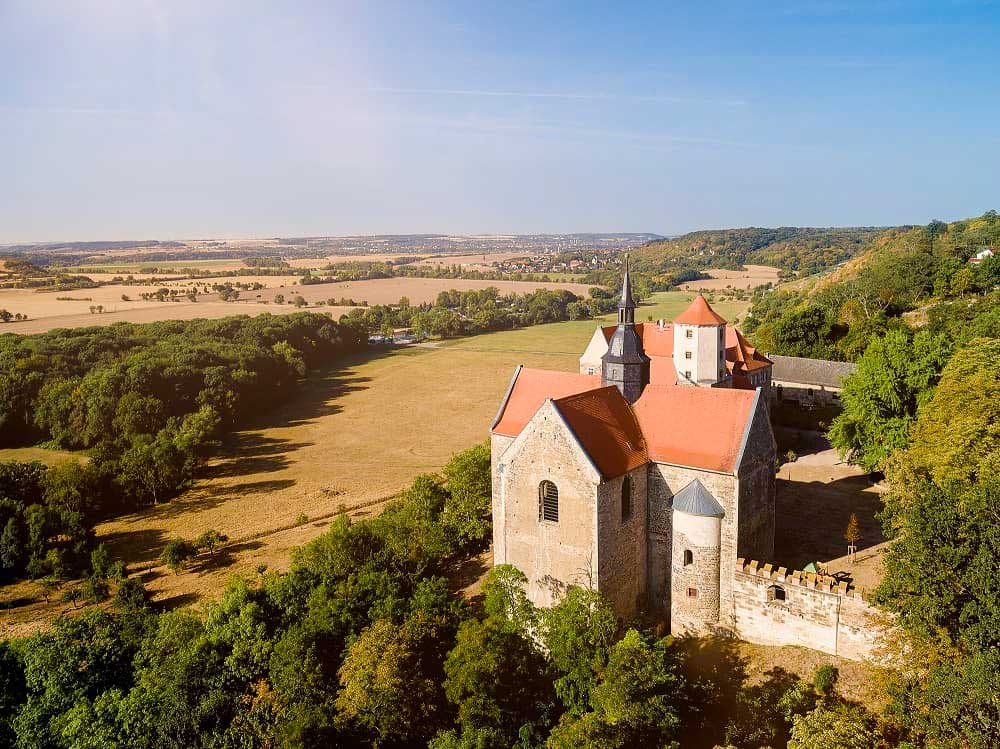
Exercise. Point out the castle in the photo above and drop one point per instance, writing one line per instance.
(650, 476)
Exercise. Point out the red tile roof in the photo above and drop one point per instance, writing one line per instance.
(530, 388)
(607, 429)
(696, 427)
(658, 343)
(700, 313)
(686, 426)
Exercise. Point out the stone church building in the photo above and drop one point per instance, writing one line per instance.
(650, 476)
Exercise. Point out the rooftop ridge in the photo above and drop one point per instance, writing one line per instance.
(799, 578)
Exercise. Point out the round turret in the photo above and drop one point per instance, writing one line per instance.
(695, 571)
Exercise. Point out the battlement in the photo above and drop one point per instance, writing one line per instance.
(800, 578)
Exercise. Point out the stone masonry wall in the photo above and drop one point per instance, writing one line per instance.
(756, 491)
(816, 612)
(553, 555)
(664, 482)
(698, 614)
(621, 575)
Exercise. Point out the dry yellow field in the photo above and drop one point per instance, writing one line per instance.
(466, 260)
(390, 290)
(154, 311)
(71, 309)
(753, 276)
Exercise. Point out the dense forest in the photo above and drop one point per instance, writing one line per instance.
(363, 643)
(801, 250)
(146, 403)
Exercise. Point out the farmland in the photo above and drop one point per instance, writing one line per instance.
(71, 309)
(749, 278)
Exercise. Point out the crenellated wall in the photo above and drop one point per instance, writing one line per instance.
(816, 612)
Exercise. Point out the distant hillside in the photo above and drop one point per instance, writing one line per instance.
(800, 249)
(908, 276)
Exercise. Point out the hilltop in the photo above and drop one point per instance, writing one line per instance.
(908, 275)
(803, 250)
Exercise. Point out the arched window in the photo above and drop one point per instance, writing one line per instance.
(548, 502)
(688, 557)
(626, 498)
(776, 593)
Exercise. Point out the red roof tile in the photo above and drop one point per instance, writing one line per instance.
(697, 427)
(607, 429)
(530, 389)
(658, 343)
(700, 313)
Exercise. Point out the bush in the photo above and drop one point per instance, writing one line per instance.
(176, 553)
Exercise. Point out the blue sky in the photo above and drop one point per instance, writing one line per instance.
(178, 118)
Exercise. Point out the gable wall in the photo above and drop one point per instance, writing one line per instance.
(591, 359)
(551, 555)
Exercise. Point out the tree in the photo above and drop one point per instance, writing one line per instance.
(894, 377)
(578, 632)
(176, 553)
(505, 601)
(211, 540)
(496, 678)
(468, 509)
(852, 534)
(957, 434)
(382, 690)
(837, 726)
(279, 298)
(636, 702)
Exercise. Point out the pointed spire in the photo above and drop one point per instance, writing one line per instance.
(626, 301)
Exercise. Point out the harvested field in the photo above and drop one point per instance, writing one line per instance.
(471, 262)
(71, 309)
(154, 311)
(390, 290)
(753, 276)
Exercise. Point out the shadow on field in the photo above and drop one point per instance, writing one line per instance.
(135, 546)
(174, 602)
(253, 453)
(811, 517)
(223, 557)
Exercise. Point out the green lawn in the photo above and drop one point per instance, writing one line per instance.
(572, 337)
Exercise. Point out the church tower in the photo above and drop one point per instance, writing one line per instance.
(700, 345)
(625, 365)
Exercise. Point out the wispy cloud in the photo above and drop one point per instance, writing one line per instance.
(569, 95)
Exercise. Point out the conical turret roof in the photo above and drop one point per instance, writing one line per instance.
(700, 313)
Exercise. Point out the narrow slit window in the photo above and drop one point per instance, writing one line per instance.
(548, 502)
(626, 498)
(688, 557)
